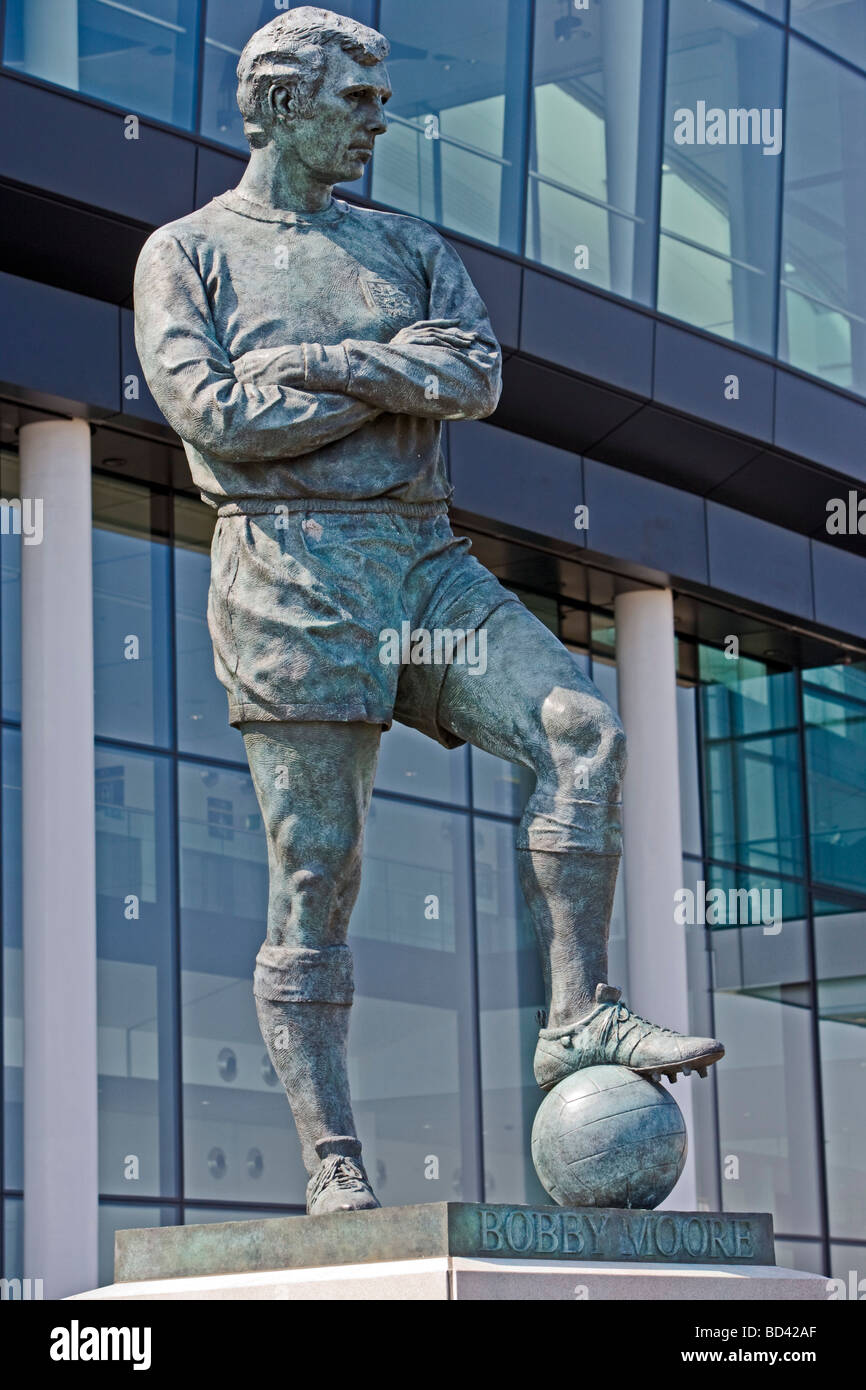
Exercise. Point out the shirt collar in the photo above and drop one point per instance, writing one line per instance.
(261, 212)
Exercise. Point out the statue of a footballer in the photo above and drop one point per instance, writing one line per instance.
(306, 351)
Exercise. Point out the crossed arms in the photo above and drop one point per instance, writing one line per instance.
(287, 401)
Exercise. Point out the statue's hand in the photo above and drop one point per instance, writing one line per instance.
(435, 333)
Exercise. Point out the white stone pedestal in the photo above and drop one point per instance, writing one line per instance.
(454, 1277)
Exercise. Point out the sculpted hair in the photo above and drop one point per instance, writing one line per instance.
(290, 49)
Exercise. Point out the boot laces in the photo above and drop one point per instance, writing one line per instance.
(339, 1171)
(619, 1014)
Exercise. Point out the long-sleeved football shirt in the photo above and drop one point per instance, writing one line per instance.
(266, 339)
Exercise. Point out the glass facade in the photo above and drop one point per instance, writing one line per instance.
(193, 1123)
(701, 159)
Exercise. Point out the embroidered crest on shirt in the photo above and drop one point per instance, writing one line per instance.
(386, 298)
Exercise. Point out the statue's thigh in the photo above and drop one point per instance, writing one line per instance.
(531, 703)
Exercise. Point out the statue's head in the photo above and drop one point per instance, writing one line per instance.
(313, 83)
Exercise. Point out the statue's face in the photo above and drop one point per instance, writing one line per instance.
(336, 142)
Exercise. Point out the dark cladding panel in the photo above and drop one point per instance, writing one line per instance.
(840, 588)
(519, 481)
(642, 521)
(142, 407)
(759, 561)
(692, 374)
(586, 333)
(497, 280)
(216, 173)
(820, 424)
(79, 151)
(59, 345)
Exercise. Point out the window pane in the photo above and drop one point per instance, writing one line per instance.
(117, 1216)
(229, 24)
(765, 1082)
(10, 595)
(594, 142)
(453, 149)
(13, 999)
(130, 612)
(511, 990)
(823, 309)
(834, 710)
(720, 194)
(139, 56)
(412, 763)
(837, 24)
(135, 974)
(841, 968)
(202, 707)
(239, 1143)
(751, 763)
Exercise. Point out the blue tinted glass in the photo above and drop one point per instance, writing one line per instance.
(822, 325)
(721, 172)
(594, 141)
(135, 983)
(841, 970)
(837, 24)
(751, 759)
(229, 24)
(130, 615)
(10, 595)
(140, 57)
(202, 707)
(415, 765)
(13, 1011)
(834, 711)
(453, 149)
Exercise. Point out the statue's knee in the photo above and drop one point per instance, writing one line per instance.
(581, 729)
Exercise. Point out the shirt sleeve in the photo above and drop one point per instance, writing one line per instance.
(439, 382)
(194, 383)
(414, 379)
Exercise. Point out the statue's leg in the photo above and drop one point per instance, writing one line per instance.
(534, 706)
(313, 782)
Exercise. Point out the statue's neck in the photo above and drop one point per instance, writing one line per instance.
(292, 188)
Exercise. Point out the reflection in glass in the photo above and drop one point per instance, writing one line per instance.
(452, 153)
(130, 614)
(766, 1083)
(594, 142)
(232, 1100)
(139, 56)
(412, 763)
(719, 201)
(10, 596)
(837, 24)
(135, 977)
(202, 708)
(823, 309)
(13, 999)
(511, 990)
(752, 786)
(834, 711)
(841, 968)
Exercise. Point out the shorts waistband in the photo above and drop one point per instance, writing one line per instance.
(277, 507)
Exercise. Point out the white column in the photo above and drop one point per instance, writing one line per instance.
(51, 41)
(652, 835)
(61, 1179)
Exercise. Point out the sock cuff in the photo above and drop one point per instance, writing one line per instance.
(292, 974)
(563, 824)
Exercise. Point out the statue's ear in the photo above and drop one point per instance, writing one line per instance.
(281, 100)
